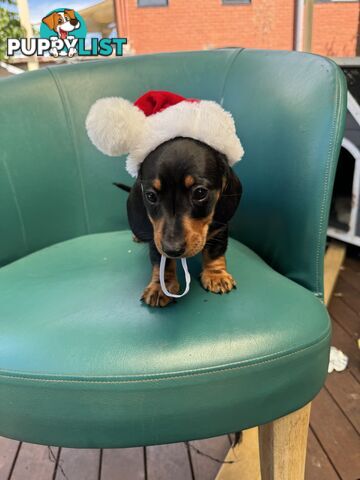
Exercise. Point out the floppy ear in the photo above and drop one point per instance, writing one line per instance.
(137, 215)
(50, 20)
(122, 186)
(230, 195)
(71, 13)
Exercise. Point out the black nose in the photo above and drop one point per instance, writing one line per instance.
(174, 250)
(74, 22)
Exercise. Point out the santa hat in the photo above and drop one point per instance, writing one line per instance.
(116, 126)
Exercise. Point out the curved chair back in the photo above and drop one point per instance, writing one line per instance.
(289, 110)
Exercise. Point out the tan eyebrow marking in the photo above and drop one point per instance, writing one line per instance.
(157, 184)
(189, 181)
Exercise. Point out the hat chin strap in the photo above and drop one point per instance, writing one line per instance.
(162, 278)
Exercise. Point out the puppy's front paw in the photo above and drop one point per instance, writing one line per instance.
(155, 297)
(72, 52)
(217, 282)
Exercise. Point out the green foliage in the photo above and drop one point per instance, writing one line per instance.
(9, 25)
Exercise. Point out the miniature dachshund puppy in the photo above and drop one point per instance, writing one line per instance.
(181, 203)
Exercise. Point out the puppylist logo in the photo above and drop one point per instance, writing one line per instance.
(63, 33)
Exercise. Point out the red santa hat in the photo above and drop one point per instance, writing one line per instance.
(117, 126)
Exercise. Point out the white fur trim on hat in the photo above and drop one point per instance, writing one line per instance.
(116, 126)
(205, 121)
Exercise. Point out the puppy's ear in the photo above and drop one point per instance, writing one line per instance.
(50, 20)
(122, 186)
(71, 13)
(231, 192)
(137, 215)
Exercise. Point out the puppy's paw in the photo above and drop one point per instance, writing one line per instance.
(155, 297)
(72, 52)
(217, 282)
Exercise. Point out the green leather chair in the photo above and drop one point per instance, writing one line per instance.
(82, 362)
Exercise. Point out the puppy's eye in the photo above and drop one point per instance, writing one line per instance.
(200, 193)
(60, 20)
(151, 196)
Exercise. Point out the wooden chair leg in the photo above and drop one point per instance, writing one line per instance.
(282, 446)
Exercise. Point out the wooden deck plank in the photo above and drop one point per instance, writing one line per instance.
(318, 466)
(353, 262)
(204, 467)
(351, 276)
(166, 462)
(8, 451)
(348, 318)
(34, 462)
(246, 458)
(78, 464)
(342, 340)
(349, 294)
(337, 436)
(344, 388)
(123, 464)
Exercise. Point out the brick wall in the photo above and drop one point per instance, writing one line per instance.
(335, 28)
(202, 24)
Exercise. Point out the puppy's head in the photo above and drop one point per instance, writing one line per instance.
(62, 22)
(182, 182)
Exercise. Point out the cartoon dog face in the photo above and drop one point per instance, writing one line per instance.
(62, 22)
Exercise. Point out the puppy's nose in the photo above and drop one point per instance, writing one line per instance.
(173, 250)
(73, 22)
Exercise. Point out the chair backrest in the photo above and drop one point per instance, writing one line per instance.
(289, 110)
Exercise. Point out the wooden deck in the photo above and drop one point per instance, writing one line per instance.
(334, 440)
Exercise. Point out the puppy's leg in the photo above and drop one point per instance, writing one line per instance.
(153, 295)
(72, 51)
(214, 276)
(54, 52)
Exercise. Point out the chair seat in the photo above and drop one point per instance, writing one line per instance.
(83, 363)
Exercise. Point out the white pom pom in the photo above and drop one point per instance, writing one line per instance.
(113, 125)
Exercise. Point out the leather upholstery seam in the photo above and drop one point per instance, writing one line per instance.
(326, 179)
(70, 128)
(17, 205)
(157, 377)
(231, 62)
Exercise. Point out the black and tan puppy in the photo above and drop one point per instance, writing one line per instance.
(181, 151)
(181, 203)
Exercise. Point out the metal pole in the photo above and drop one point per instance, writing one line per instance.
(299, 25)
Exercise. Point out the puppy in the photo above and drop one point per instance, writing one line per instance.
(62, 23)
(181, 203)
